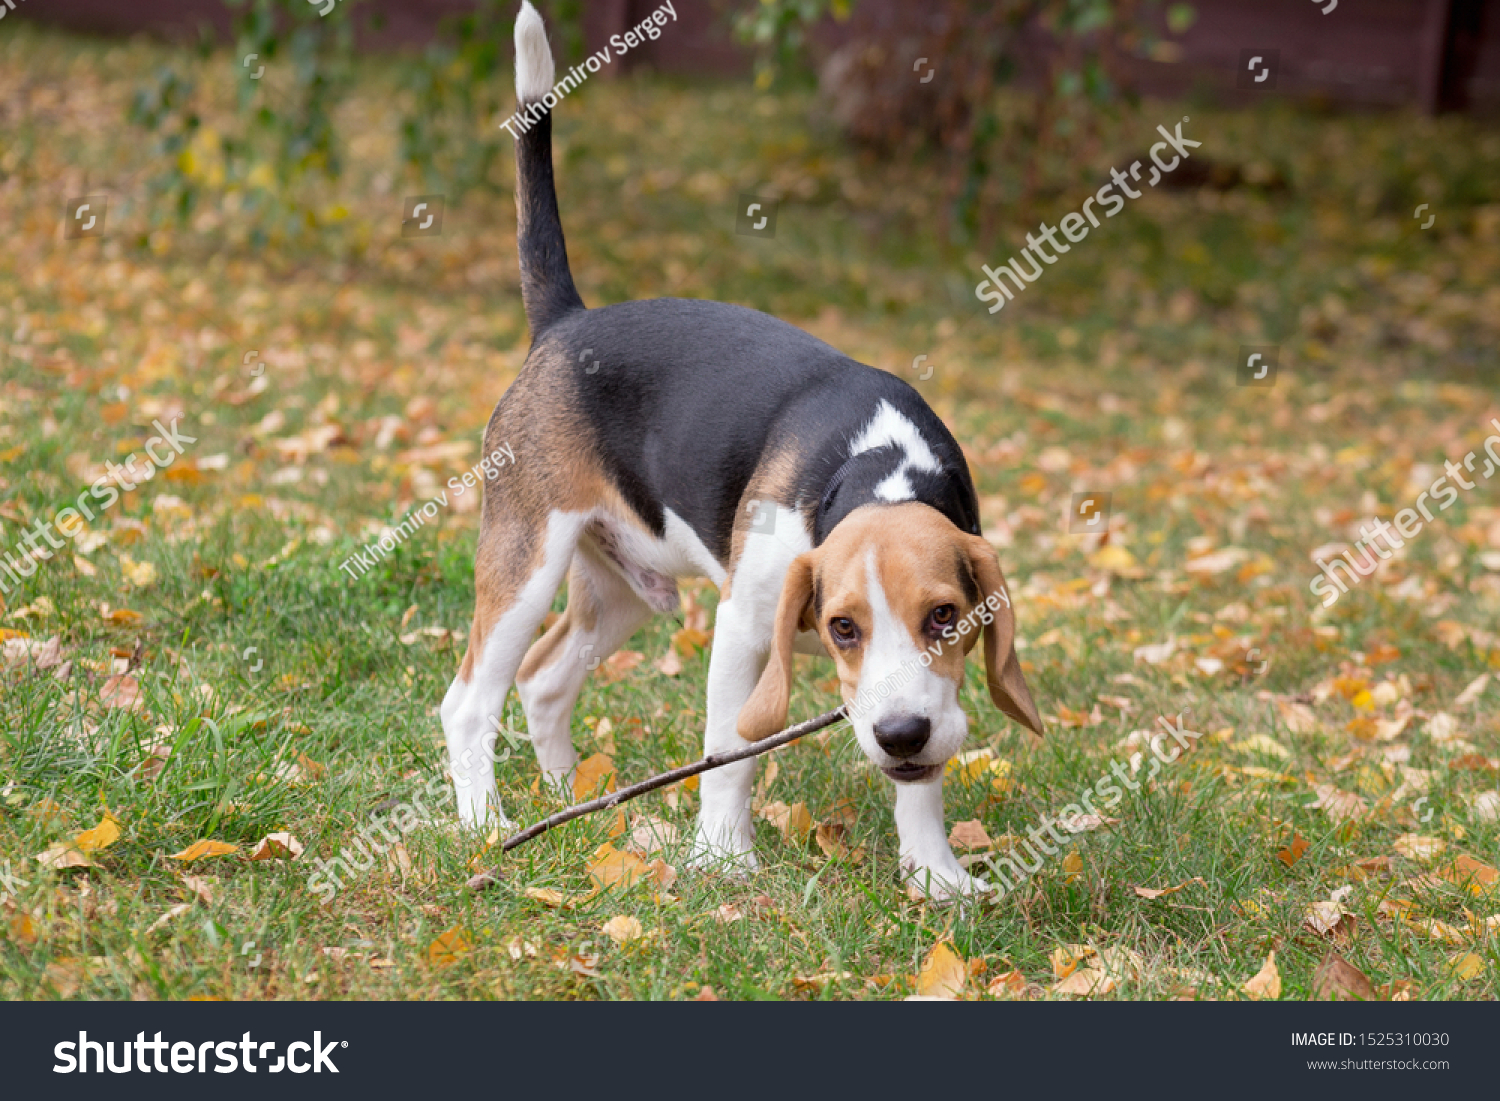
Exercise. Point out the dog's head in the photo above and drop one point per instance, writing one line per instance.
(899, 596)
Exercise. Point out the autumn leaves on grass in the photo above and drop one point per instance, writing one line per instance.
(79, 851)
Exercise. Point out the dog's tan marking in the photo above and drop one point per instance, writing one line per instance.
(555, 469)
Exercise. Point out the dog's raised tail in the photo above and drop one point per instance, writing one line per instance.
(546, 283)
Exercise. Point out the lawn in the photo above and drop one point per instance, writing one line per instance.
(192, 664)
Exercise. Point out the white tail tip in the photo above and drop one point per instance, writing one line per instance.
(534, 68)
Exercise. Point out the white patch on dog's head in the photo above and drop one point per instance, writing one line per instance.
(904, 695)
(889, 427)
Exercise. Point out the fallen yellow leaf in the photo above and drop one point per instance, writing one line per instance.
(794, 822)
(611, 867)
(600, 768)
(205, 848)
(102, 836)
(1266, 983)
(943, 973)
(448, 946)
(622, 928)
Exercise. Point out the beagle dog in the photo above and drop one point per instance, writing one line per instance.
(678, 438)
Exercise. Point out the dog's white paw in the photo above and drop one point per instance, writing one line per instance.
(482, 818)
(945, 884)
(722, 849)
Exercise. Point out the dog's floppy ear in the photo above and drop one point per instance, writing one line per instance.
(764, 712)
(1002, 670)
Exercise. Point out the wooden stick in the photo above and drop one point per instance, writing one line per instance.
(615, 798)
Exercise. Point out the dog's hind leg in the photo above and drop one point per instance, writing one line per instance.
(603, 612)
(517, 572)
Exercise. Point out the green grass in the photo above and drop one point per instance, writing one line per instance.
(1113, 372)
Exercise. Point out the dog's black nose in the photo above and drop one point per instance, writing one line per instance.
(904, 735)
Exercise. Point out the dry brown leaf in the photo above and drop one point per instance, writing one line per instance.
(1474, 875)
(1266, 983)
(1293, 852)
(794, 822)
(943, 973)
(662, 874)
(1297, 717)
(547, 896)
(277, 846)
(121, 691)
(1008, 984)
(832, 839)
(1473, 691)
(1338, 980)
(176, 911)
(1416, 847)
(689, 640)
(1084, 823)
(1340, 806)
(1067, 958)
(970, 835)
(622, 928)
(156, 760)
(1328, 917)
(1486, 806)
(816, 983)
(610, 867)
(1072, 867)
(618, 665)
(200, 886)
(1438, 930)
(650, 835)
(21, 929)
(1085, 982)
(1157, 892)
(63, 855)
(1364, 869)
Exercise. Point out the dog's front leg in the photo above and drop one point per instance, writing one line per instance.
(726, 832)
(927, 860)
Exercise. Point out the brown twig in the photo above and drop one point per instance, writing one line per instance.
(615, 798)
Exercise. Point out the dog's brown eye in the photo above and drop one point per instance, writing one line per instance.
(843, 630)
(943, 615)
